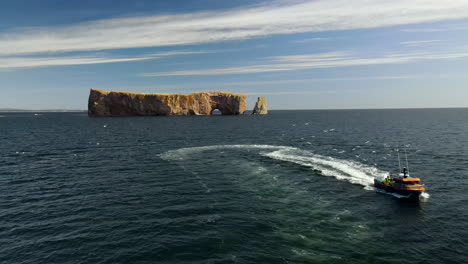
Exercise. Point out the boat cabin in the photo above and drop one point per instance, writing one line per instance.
(408, 181)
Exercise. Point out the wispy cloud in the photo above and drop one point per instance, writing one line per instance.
(237, 24)
(309, 40)
(419, 43)
(300, 92)
(260, 83)
(24, 62)
(436, 29)
(268, 84)
(11, 63)
(314, 61)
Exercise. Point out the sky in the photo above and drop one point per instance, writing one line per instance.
(321, 54)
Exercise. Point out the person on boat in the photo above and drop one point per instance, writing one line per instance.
(387, 179)
(405, 172)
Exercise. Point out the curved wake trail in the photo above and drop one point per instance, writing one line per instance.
(183, 153)
(351, 171)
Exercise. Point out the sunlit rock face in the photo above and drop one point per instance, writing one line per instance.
(260, 107)
(104, 103)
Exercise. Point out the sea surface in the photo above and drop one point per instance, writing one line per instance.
(289, 187)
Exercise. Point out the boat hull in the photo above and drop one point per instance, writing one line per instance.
(407, 194)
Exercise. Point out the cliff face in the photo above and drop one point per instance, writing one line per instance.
(104, 103)
(260, 107)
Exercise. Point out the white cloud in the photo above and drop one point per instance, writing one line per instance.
(11, 63)
(420, 43)
(215, 26)
(243, 84)
(310, 40)
(23, 62)
(300, 92)
(314, 61)
(436, 29)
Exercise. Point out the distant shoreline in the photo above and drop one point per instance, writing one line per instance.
(313, 109)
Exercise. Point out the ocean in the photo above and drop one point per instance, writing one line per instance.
(288, 187)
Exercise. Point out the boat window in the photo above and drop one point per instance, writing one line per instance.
(412, 182)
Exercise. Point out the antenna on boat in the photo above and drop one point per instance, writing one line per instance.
(407, 165)
(399, 162)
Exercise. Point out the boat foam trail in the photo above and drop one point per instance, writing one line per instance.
(425, 195)
(351, 171)
(182, 153)
(346, 170)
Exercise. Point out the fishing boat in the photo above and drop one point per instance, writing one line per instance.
(402, 184)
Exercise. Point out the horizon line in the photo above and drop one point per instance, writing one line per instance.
(14, 110)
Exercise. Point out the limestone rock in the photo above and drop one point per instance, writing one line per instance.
(104, 103)
(260, 107)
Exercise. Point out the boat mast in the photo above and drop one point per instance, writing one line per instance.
(407, 165)
(399, 162)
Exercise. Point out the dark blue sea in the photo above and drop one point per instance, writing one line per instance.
(289, 187)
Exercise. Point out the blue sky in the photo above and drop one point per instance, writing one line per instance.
(323, 54)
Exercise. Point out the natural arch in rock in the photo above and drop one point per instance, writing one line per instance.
(216, 111)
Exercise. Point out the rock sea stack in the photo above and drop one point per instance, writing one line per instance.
(105, 103)
(260, 107)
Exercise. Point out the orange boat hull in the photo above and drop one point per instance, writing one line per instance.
(410, 191)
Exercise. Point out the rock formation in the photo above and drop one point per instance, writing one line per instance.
(104, 103)
(260, 107)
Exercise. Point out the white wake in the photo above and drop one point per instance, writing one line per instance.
(346, 170)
